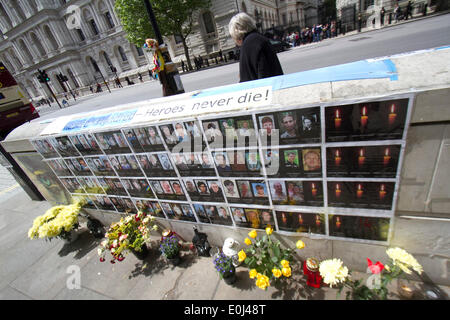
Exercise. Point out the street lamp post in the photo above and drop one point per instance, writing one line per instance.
(168, 75)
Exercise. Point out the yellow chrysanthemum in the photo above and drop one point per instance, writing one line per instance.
(253, 234)
(404, 260)
(253, 273)
(276, 272)
(286, 271)
(248, 241)
(269, 230)
(242, 255)
(333, 272)
(300, 244)
(262, 281)
(284, 263)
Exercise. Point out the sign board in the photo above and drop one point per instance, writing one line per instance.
(234, 160)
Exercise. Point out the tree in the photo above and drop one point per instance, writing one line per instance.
(174, 17)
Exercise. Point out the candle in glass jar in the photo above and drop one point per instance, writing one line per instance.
(392, 114)
(338, 190)
(337, 157)
(313, 189)
(338, 222)
(359, 191)
(386, 157)
(361, 157)
(317, 220)
(364, 116)
(382, 192)
(337, 119)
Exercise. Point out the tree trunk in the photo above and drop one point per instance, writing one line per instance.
(186, 53)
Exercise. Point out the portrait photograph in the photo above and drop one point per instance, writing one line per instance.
(222, 217)
(45, 148)
(105, 203)
(291, 160)
(310, 126)
(65, 147)
(190, 187)
(267, 128)
(167, 209)
(139, 188)
(133, 141)
(228, 129)
(168, 134)
(213, 134)
(59, 167)
(114, 187)
(156, 186)
(230, 188)
(237, 161)
(202, 187)
(253, 162)
(201, 213)
(176, 187)
(101, 166)
(287, 122)
(180, 132)
(215, 191)
(253, 217)
(165, 161)
(239, 217)
(311, 160)
(112, 142)
(81, 167)
(152, 141)
(294, 191)
(222, 163)
(245, 190)
(259, 189)
(278, 192)
(86, 144)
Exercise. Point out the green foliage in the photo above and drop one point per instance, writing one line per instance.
(172, 16)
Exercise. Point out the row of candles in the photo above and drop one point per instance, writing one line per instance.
(362, 157)
(364, 116)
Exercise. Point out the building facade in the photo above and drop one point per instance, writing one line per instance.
(84, 40)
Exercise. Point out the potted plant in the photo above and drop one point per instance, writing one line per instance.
(224, 266)
(375, 288)
(57, 222)
(266, 259)
(170, 248)
(131, 233)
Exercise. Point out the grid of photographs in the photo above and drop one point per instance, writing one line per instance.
(282, 168)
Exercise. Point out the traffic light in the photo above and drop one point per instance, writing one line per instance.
(43, 77)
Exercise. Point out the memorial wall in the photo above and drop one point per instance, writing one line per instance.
(330, 169)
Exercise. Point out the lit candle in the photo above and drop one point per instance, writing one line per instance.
(392, 114)
(386, 157)
(337, 157)
(317, 220)
(359, 191)
(361, 157)
(337, 119)
(338, 190)
(300, 218)
(338, 222)
(313, 189)
(382, 192)
(364, 116)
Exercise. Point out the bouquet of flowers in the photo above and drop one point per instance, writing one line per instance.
(266, 259)
(57, 221)
(130, 233)
(223, 265)
(170, 247)
(334, 272)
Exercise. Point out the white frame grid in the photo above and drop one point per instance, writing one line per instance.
(325, 210)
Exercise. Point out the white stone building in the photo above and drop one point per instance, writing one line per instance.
(82, 39)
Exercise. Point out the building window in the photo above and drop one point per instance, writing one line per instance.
(208, 21)
(139, 51)
(368, 3)
(122, 54)
(81, 34)
(109, 20)
(94, 27)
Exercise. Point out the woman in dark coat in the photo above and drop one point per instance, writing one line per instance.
(258, 59)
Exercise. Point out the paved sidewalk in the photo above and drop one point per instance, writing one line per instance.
(40, 270)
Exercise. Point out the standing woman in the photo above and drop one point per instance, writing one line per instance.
(258, 59)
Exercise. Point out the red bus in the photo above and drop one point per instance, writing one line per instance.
(15, 107)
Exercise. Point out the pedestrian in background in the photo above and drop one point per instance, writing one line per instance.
(258, 59)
